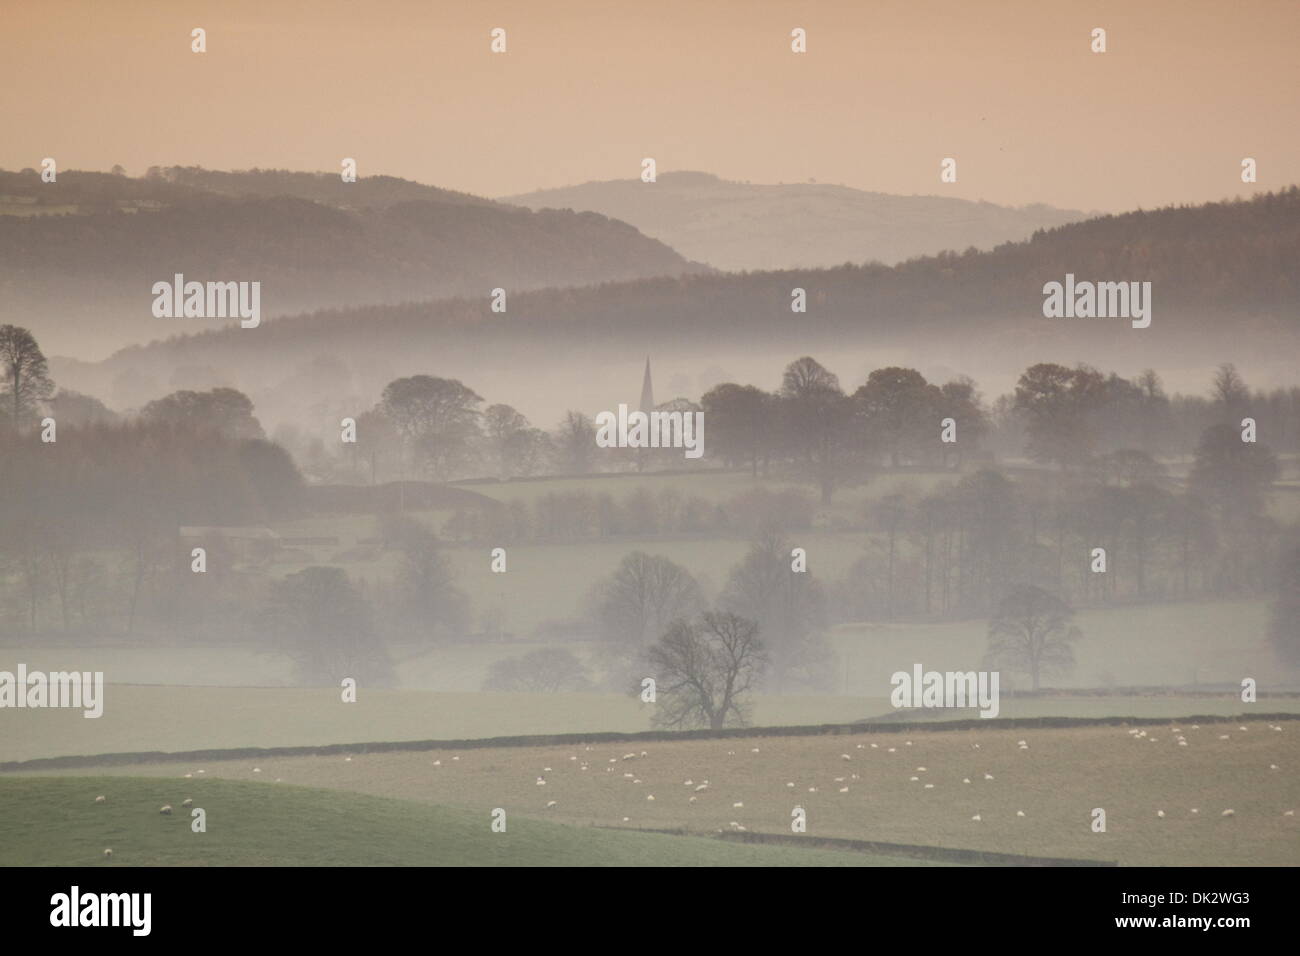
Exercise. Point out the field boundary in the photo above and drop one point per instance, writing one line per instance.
(910, 850)
(658, 736)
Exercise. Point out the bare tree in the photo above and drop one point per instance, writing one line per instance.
(703, 671)
(24, 374)
(1031, 633)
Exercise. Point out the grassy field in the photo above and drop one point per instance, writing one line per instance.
(171, 719)
(55, 822)
(878, 793)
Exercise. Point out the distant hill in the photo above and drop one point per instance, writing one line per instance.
(78, 257)
(735, 226)
(1224, 288)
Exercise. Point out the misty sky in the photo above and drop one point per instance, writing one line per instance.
(589, 87)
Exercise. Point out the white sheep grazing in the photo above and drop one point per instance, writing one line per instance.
(988, 776)
(101, 799)
(649, 796)
(790, 785)
(689, 783)
(549, 804)
(165, 809)
(929, 786)
(844, 789)
(738, 805)
(976, 818)
(1020, 813)
(845, 757)
(1160, 813)
(692, 800)
(187, 802)
(1288, 813)
(965, 779)
(1229, 813)
(108, 852)
(701, 788)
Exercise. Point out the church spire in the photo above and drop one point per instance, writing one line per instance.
(647, 390)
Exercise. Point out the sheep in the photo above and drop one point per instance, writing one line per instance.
(187, 802)
(753, 750)
(541, 782)
(109, 852)
(929, 786)
(701, 788)
(1020, 813)
(165, 809)
(844, 789)
(789, 785)
(845, 757)
(347, 759)
(913, 779)
(737, 805)
(1228, 813)
(636, 781)
(965, 779)
(692, 800)
(688, 783)
(1288, 813)
(1160, 814)
(920, 770)
(649, 796)
(101, 799)
(627, 776)
(257, 770)
(550, 803)
(988, 776)
(976, 818)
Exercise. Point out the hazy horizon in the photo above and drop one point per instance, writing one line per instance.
(881, 96)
